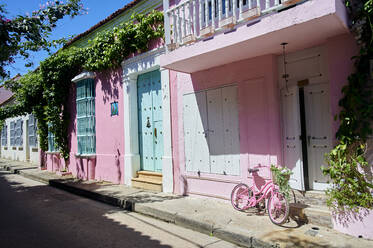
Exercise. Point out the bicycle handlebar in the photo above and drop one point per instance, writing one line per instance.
(253, 170)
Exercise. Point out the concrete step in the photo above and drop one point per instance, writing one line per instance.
(150, 175)
(310, 207)
(317, 215)
(312, 198)
(147, 183)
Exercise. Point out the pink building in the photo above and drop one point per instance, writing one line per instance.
(237, 84)
(120, 120)
(237, 102)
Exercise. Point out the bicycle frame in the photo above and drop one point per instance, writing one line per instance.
(244, 197)
(264, 192)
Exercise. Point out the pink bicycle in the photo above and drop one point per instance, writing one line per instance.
(243, 197)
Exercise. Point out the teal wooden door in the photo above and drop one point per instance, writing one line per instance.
(149, 97)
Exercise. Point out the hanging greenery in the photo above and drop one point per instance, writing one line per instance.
(46, 91)
(347, 161)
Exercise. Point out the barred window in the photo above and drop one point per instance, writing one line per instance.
(52, 147)
(19, 133)
(12, 133)
(32, 131)
(86, 121)
(4, 135)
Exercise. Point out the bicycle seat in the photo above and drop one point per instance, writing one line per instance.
(253, 170)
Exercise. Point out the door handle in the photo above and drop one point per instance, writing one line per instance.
(155, 132)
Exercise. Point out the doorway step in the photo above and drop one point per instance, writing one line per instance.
(148, 180)
(310, 207)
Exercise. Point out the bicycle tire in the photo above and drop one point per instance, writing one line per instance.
(243, 190)
(286, 208)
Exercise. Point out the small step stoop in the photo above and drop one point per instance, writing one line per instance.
(310, 207)
(148, 180)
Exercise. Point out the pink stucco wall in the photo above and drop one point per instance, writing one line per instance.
(108, 165)
(259, 120)
(259, 111)
(340, 50)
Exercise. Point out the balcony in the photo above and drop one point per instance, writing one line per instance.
(201, 34)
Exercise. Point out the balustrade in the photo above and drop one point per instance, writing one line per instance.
(194, 19)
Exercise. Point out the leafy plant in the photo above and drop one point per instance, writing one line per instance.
(347, 161)
(280, 177)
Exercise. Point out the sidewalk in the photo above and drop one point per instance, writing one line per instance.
(209, 216)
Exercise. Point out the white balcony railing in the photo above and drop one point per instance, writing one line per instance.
(194, 19)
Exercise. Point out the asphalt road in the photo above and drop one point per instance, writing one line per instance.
(36, 215)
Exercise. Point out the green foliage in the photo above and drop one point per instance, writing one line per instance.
(27, 33)
(281, 178)
(108, 49)
(347, 162)
(46, 91)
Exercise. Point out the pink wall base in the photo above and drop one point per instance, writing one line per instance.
(358, 224)
(55, 162)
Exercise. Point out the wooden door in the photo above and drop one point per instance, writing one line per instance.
(319, 140)
(150, 120)
(292, 136)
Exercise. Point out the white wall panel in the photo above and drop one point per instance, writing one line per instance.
(231, 130)
(215, 131)
(196, 144)
(211, 131)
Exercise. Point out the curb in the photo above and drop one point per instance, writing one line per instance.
(224, 233)
(17, 169)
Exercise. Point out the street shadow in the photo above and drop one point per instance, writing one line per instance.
(41, 216)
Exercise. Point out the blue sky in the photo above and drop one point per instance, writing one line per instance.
(97, 10)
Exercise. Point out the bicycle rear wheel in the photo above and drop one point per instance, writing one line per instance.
(278, 208)
(240, 196)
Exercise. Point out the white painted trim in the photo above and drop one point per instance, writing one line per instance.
(133, 67)
(83, 75)
(321, 186)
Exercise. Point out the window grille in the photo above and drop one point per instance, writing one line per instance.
(4, 135)
(86, 120)
(32, 131)
(18, 137)
(52, 147)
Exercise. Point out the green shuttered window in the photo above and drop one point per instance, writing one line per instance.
(86, 121)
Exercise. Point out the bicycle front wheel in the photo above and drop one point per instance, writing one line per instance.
(240, 196)
(278, 208)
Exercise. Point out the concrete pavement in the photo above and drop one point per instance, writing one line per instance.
(209, 216)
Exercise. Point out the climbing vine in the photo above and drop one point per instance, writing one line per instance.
(45, 92)
(347, 161)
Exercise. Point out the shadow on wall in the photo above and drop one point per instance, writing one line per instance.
(110, 83)
(86, 168)
(117, 164)
(72, 111)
